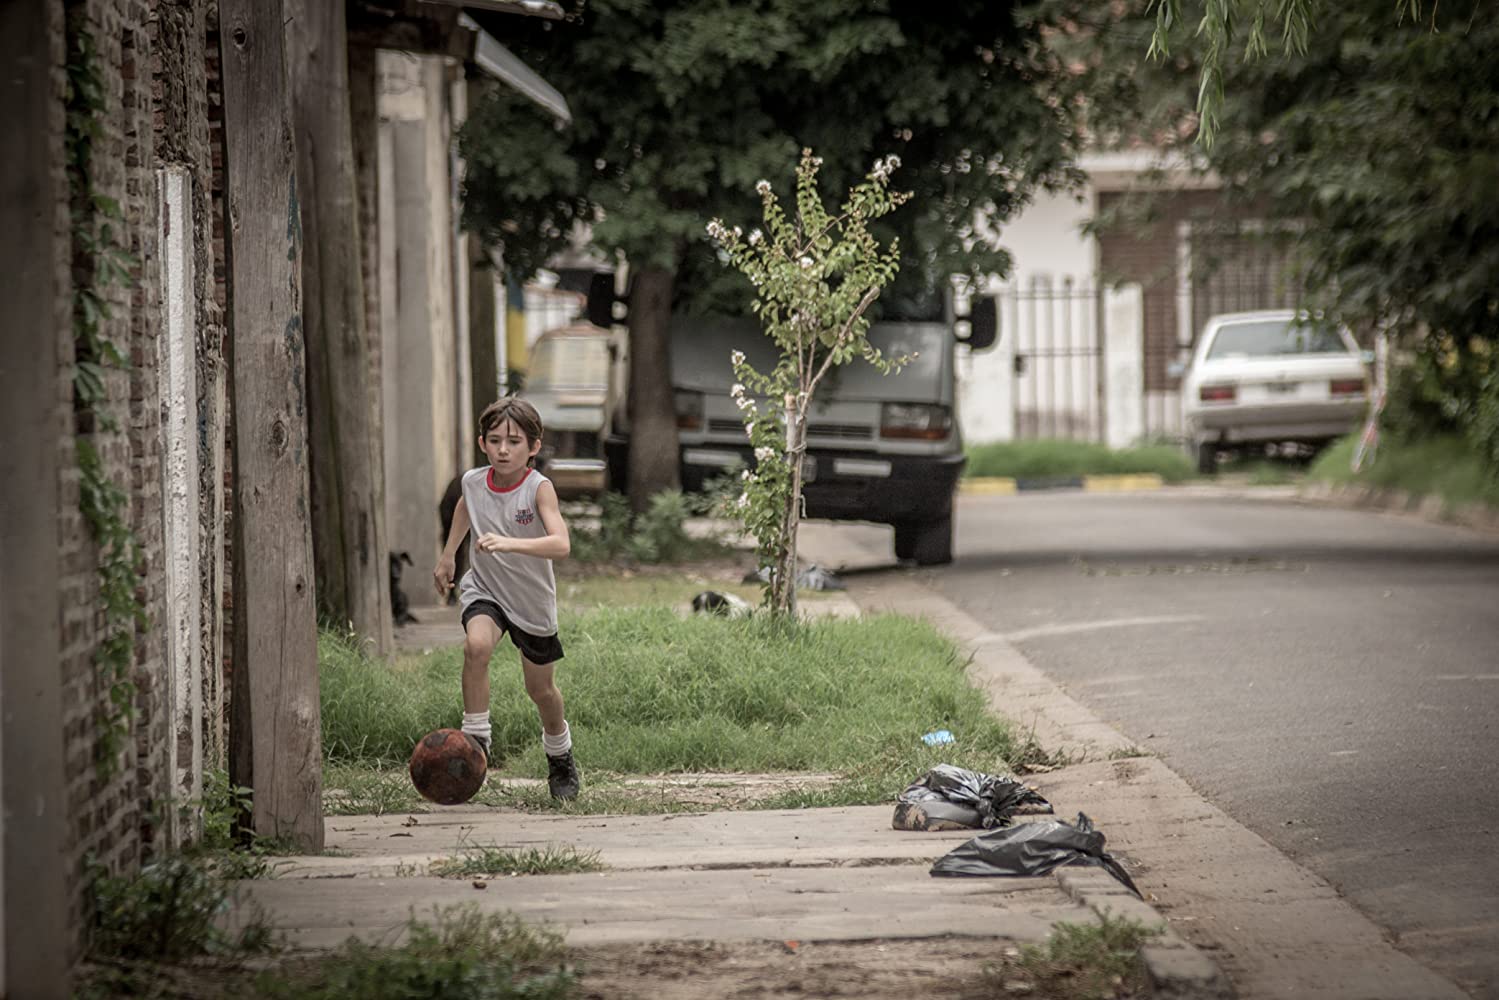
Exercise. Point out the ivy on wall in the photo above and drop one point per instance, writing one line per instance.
(100, 263)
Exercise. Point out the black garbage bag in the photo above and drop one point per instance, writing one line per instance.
(1033, 849)
(950, 798)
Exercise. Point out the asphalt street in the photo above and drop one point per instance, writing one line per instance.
(1329, 678)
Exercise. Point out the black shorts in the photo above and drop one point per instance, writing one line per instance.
(539, 649)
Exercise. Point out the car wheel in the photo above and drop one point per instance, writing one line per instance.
(927, 543)
(1207, 457)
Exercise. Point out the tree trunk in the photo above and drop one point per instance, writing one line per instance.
(275, 744)
(653, 415)
(348, 476)
(783, 585)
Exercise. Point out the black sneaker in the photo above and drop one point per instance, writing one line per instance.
(562, 776)
(483, 742)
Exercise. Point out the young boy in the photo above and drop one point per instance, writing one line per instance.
(517, 531)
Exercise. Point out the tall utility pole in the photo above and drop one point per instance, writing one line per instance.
(275, 730)
(348, 467)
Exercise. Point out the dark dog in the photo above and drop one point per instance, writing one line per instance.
(400, 607)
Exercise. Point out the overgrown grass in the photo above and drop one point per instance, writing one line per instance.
(1085, 961)
(460, 953)
(1066, 459)
(1448, 467)
(649, 691)
(490, 859)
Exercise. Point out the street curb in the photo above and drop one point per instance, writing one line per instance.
(1427, 506)
(1008, 485)
(1176, 969)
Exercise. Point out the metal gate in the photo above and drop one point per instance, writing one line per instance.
(1058, 389)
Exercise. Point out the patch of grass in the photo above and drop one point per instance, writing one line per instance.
(1448, 467)
(460, 953)
(1262, 471)
(1065, 459)
(463, 953)
(1086, 961)
(649, 691)
(481, 859)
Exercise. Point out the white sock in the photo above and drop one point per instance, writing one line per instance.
(476, 724)
(560, 744)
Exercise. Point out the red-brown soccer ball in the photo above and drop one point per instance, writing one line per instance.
(447, 767)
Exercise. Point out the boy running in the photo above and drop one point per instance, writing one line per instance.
(517, 531)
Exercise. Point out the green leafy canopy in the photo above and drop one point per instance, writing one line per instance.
(680, 108)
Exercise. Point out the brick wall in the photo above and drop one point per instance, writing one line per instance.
(1234, 267)
(109, 818)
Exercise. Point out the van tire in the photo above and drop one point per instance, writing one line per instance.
(927, 543)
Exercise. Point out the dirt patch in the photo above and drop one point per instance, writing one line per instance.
(949, 968)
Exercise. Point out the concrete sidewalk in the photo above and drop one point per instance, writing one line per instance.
(813, 875)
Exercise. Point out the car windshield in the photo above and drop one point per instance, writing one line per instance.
(1274, 338)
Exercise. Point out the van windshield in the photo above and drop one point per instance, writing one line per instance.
(569, 363)
(1274, 338)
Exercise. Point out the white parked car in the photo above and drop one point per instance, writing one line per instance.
(1271, 377)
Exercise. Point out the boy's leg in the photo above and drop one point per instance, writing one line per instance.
(556, 736)
(481, 635)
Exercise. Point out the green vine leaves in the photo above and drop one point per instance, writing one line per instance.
(101, 263)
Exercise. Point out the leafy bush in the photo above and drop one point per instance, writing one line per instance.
(1069, 459)
(657, 535)
(167, 913)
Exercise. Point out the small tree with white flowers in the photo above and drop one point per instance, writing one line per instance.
(815, 277)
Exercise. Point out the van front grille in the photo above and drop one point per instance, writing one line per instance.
(843, 432)
(838, 432)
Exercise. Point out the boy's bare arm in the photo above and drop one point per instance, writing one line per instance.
(555, 544)
(442, 575)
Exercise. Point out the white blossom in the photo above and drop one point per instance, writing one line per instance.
(762, 187)
(745, 475)
(743, 501)
(743, 403)
(884, 168)
(755, 237)
(749, 429)
(764, 454)
(805, 262)
(737, 390)
(737, 357)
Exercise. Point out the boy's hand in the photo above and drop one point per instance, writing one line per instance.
(491, 542)
(442, 576)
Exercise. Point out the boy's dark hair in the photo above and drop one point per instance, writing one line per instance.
(519, 412)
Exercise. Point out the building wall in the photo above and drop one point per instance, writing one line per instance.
(109, 817)
(420, 329)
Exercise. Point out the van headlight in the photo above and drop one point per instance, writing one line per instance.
(915, 421)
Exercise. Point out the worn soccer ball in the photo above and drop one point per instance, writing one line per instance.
(447, 767)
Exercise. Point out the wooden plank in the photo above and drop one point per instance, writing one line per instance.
(35, 936)
(275, 730)
(348, 467)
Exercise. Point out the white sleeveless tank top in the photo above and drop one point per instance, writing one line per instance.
(523, 586)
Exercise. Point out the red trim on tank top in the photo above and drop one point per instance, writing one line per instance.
(489, 479)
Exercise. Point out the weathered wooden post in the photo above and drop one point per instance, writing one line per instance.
(348, 468)
(275, 731)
